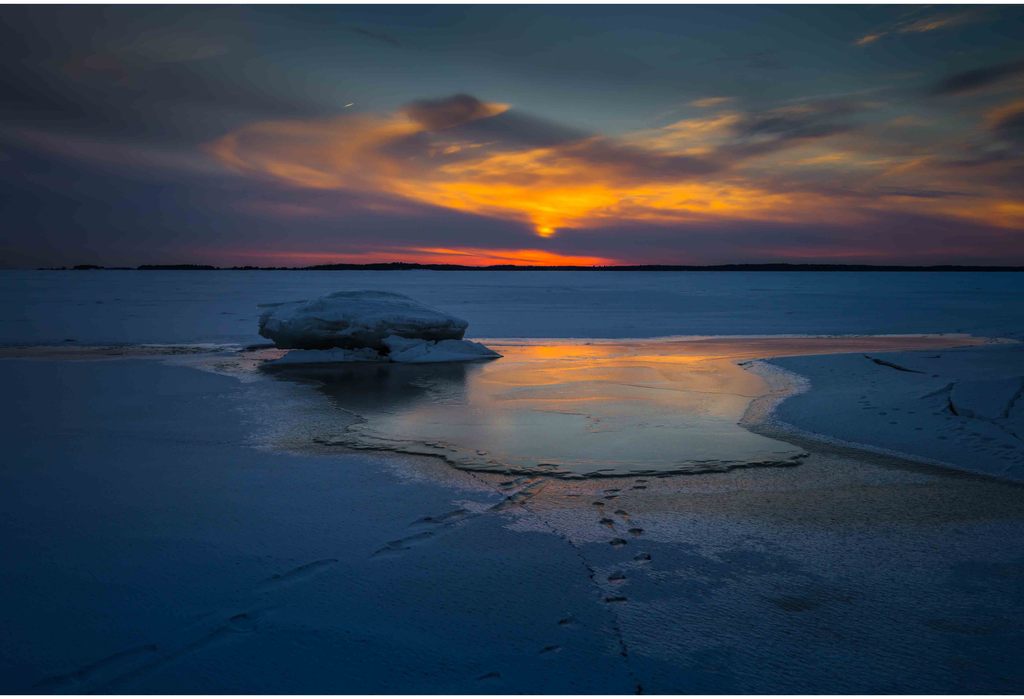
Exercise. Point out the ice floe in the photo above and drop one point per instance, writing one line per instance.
(367, 326)
(355, 319)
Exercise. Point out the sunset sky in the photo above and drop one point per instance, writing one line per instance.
(270, 135)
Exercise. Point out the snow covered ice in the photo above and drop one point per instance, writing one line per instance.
(359, 326)
(355, 319)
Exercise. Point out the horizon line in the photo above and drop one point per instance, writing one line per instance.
(412, 266)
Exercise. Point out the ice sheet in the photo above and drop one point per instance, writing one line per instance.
(107, 307)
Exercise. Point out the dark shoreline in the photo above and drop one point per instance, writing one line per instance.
(407, 266)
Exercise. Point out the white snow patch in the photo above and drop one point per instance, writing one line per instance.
(958, 408)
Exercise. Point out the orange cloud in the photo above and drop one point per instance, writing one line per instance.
(708, 102)
(547, 187)
(919, 26)
(482, 158)
(1005, 114)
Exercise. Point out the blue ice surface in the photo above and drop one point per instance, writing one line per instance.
(145, 548)
(140, 540)
(961, 407)
(92, 307)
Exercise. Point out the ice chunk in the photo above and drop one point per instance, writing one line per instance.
(408, 351)
(402, 350)
(355, 319)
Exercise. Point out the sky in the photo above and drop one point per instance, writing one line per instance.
(605, 134)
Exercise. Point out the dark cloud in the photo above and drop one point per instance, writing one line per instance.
(972, 80)
(802, 120)
(135, 99)
(761, 132)
(1008, 124)
(515, 129)
(463, 119)
(377, 36)
(920, 193)
(444, 113)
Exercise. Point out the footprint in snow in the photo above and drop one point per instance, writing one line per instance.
(300, 573)
(403, 544)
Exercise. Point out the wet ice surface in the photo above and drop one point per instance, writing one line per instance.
(577, 409)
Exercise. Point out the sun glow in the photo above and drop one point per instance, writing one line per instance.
(467, 256)
(441, 154)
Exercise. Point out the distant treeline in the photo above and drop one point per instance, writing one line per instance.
(401, 266)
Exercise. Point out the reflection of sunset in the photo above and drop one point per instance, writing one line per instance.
(566, 407)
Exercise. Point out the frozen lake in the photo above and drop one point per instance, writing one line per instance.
(179, 521)
(182, 307)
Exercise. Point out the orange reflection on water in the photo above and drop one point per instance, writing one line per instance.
(575, 408)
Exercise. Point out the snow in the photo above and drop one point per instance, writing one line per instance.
(354, 320)
(959, 408)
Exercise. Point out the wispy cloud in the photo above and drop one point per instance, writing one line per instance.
(919, 25)
(377, 36)
(709, 102)
(978, 78)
